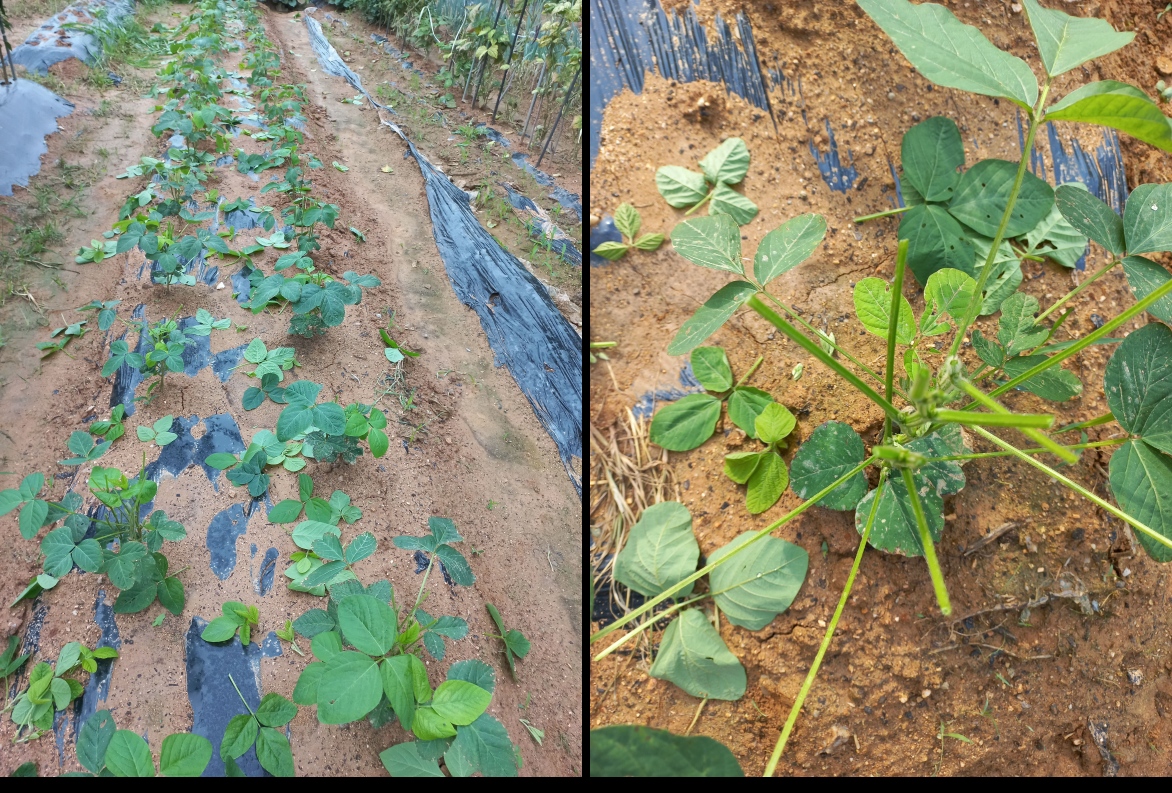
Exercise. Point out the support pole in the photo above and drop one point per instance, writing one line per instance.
(484, 58)
(562, 109)
(509, 62)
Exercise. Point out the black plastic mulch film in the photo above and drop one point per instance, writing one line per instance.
(524, 328)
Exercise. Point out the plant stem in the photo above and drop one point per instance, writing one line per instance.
(644, 625)
(242, 699)
(797, 317)
(1072, 293)
(1085, 341)
(1006, 419)
(984, 455)
(1032, 434)
(892, 329)
(703, 571)
(929, 547)
(702, 202)
(812, 347)
(1036, 117)
(877, 215)
(749, 373)
(1082, 491)
(1106, 418)
(826, 639)
(422, 584)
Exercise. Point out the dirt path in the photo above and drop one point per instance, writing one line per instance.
(1024, 686)
(465, 445)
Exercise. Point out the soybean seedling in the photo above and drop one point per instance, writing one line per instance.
(628, 221)
(236, 617)
(938, 392)
(262, 728)
(515, 643)
(725, 165)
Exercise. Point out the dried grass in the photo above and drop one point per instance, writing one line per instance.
(627, 475)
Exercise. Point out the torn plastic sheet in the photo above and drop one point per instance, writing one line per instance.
(645, 406)
(28, 112)
(541, 227)
(52, 42)
(211, 671)
(526, 331)
(630, 37)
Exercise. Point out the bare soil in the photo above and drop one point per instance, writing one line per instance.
(468, 447)
(1023, 686)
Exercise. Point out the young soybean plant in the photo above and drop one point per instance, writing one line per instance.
(921, 445)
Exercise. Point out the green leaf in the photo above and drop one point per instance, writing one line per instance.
(395, 675)
(1090, 216)
(33, 514)
(305, 692)
(648, 242)
(609, 250)
(988, 350)
(755, 587)
(239, 736)
(983, 192)
(1138, 385)
(482, 746)
(93, 740)
(221, 629)
(60, 692)
(1055, 384)
(713, 242)
(1065, 41)
(1147, 219)
(458, 568)
(711, 368)
(679, 186)
(429, 725)
(774, 423)
(949, 292)
(475, 672)
(1141, 479)
(766, 484)
(1117, 105)
(460, 702)
(951, 53)
(1006, 275)
(634, 751)
(946, 477)
(1144, 277)
(710, 316)
(275, 711)
(627, 220)
(326, 645)
(255, 352)
(184, 754)
(286, 511)
(787, 246)
(931, 153)
(832, 449)
(1056, 239)
(729, 202)
(739, 466)
(403, 760)
(220, 461)
(274, 753)
(1017, 331)
(694, 657)
(349, 688)
(745, 405)
(660, 552)
(685, 424)
(895, 530)
(360, 548)
(727, 163)
(419, 682)
(368, 624)
(935, 241)
(873, 306)
(31, 485)
(129, 756)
